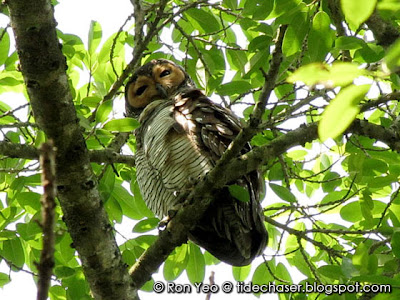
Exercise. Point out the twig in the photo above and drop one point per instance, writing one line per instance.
(301, 234)
(212, 282)
(196, 49)
(137, 55)
(252, 128)
(307, 261)
(337, 19)
(381, 100)
(115, 42)
(45, 267)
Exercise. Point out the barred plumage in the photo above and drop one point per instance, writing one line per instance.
(182, 135)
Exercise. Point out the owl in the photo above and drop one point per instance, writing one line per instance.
(181, 137)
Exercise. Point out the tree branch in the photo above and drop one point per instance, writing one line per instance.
(270, 79)
(384, 31)
(337, 18)
(377, 132)
(43, 67)
(18, 150)
(200, 197)
(45, 267)
(110, 156)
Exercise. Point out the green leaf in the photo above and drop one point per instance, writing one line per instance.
(392, 58)
(320, 38)
(94, 38)
(122, 125)
(4, 46)
(232, 4)
(351, 212)
(139, 203)
(259, 43)
(57, 292)
(395, 242)
(13, 252)
(360, 258)
(297, 154)
(285, 7)
(9, 81)
(91, 101)
(283, 193)
(106, 184)
(258, 9)
(77, 288)
(294, 36)
(262, 275)
(330, 183)
(237, 59)
(118, 51)
(331, 271)
(357, 11)
(176, 263)
(4, 279)
(146, 225)
(342, 111)
(114, 210)
(206, 20)
(62, 272)
(241, 273)
(195, 268)
(30, 199)
(234, 87)
(338, 74)
(127, 202)
(103, 111)
(239, 192)
(348, 43)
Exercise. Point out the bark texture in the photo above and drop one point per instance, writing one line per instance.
(43, 67)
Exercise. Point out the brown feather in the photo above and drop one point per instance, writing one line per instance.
(181, 137)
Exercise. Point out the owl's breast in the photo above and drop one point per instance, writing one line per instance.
(168, 160)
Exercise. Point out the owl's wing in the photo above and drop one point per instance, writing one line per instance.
(179, 141)
(212, 128)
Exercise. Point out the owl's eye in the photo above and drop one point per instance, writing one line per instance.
(141, 90)
(165, 73)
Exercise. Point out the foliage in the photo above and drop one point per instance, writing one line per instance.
(337, 205)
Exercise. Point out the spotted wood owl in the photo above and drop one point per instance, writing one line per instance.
(181, 137)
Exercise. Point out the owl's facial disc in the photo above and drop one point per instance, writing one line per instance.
(141, 92)
(158, 79)
(169, 76)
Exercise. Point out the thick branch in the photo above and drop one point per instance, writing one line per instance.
(187, 217)
(98, 156)
(109, 156)
(18, 150)
(43, 67)
(384, 31)
(377, 132)
(200, 198)
(45, 267)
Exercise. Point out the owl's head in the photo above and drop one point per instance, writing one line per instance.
(158, 79)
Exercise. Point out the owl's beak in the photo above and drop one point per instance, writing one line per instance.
(161, 90)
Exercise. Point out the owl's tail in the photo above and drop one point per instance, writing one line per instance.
(232, 231)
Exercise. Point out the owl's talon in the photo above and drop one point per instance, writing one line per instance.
(164, 222)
